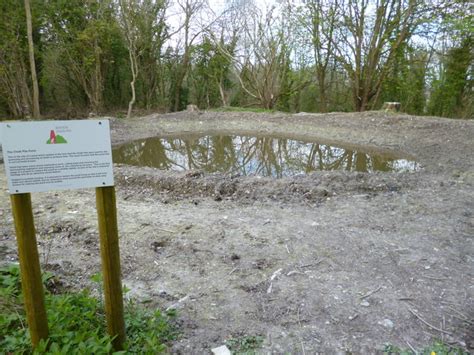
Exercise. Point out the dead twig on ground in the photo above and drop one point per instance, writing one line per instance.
(353, 316)
(295, 272)
(461, 315)
(317, 262)
(276, 274)
(462, 319)
(451, 303)
(429, 324)
(371, 292)
(435, 278)
(273, 277)
(443, 326)
(298, 316)
(165, 230)
(177, 304)
(411, 347)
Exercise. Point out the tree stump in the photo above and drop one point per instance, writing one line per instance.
(192, 108)
(391, 106)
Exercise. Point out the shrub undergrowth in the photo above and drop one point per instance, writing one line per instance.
(77, 323)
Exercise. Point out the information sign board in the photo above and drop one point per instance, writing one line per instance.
(56, 155)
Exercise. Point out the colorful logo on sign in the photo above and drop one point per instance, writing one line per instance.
(55, 138)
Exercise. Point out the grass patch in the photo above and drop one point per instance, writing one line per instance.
(247, 344)
(437, 348)
(77, 323)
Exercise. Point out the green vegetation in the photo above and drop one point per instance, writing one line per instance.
(108, 56)
(437, 348)
(77, 322)
(245, 345)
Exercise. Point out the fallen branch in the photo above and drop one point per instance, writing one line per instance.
(177, 304)
(353, 316)
(371, 292)
(411, 347)
(274, 276)
(295, 272)
(428, 324)
(464, 317)
(318, 261)
(434, 278)
(165, 230)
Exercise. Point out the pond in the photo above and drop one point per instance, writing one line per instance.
(246, 155)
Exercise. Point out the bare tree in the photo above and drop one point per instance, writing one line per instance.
(14, 74)
(129, 15)
(262, 59)
(191, 30)
(14, 81)
(319, 19)
(225, 37)
(369, 35)
(144, 29)
(31, 51)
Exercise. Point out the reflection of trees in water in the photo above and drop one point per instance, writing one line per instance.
(210, 153)
(147, 152)
(246, 155)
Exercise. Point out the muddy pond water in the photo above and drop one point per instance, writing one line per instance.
(246, 155)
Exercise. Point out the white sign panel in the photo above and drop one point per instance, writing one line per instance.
(52, 155)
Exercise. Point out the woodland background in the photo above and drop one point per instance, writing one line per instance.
(70, 58)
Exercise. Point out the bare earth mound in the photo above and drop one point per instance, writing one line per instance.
(330, 262)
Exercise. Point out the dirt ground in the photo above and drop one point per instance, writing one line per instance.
(332, 262)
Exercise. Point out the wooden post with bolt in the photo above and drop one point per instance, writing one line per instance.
(31, 282)
(28, 156)
(109, 250)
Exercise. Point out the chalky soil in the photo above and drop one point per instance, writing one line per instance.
(317, 261)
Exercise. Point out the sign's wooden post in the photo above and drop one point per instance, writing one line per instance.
(109, 250)
(31, 283)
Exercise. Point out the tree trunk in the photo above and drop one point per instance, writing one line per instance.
(31, 50)
(322, 89)
(134, 69)
(182, 71)
(97, 81)
(177, 92)
(223, 95)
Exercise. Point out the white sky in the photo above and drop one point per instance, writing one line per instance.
(217, 6)
(175, 17)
